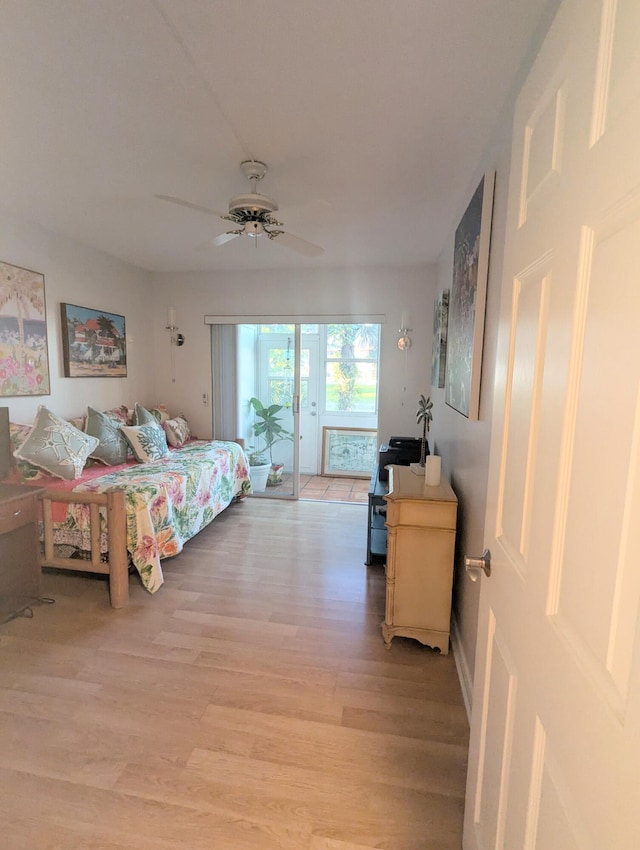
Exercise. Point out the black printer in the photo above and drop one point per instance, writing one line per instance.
(401, 451)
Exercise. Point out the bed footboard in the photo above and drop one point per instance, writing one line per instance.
(117, 567)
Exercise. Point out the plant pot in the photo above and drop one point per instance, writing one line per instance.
(275, 474)
(259, 475)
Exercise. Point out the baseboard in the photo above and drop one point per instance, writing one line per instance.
(463, 668)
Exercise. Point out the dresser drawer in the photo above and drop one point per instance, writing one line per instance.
(16, 513)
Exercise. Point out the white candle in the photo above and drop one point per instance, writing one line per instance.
(171, 317)
(432, 469)
(404, 319)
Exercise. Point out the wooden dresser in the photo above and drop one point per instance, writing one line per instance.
(20, 569)
(421, 529)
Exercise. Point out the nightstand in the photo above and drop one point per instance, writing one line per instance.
(421, 528)
(20, 569)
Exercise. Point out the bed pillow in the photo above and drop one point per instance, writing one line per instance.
(121, 413)
(56, 446)
(78, 422)
(17, 435)
(142, 416)
(147, 442)
(177, 431)
(161, 413)
(112, 448)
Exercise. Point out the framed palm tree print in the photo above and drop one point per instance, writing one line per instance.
(24, 352)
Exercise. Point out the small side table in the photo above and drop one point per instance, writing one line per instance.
(376, 516)
(20, 569)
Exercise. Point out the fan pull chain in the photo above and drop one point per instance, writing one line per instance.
(406, 373)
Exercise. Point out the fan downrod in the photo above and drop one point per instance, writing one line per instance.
(253, 169)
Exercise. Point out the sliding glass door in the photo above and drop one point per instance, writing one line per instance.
(268, 376)
(280, 387)
(277, 366)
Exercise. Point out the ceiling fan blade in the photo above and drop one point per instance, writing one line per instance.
(296, 243)
(225, 237)
(189, 205)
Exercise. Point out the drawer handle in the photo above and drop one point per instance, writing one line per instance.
(18, 512)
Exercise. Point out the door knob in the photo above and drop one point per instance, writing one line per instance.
(474, 565)
(313, 413)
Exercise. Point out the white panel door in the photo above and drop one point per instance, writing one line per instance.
(277, 368)
(309, 446)
(555, 742)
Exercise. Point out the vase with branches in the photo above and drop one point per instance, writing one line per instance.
(424, 417)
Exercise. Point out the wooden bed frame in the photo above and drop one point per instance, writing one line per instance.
(117, 565)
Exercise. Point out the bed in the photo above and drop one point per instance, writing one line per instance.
(139, 514)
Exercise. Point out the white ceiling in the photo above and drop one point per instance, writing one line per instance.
(372, 116)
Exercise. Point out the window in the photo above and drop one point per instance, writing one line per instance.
(281, 383)
(352, 368)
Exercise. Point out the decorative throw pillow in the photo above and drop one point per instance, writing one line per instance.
(161, 413)
(17, 435)
(121, 413)
(113, 447)
(142, 416)
(147, 441)
(177, 431)
(56, 446)
(78, 422)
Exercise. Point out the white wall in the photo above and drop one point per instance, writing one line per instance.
(464, 444)
(273, 293)
(80, 275)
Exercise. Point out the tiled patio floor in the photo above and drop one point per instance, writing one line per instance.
(318, 487)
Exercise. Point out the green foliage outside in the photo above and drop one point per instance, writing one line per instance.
(351, 361)
(342, 341)
(362, 398)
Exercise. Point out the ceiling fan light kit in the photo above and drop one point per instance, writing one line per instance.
(254, 204)
(253, 215)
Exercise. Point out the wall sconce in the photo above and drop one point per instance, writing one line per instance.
(404, 342)
(176, 338)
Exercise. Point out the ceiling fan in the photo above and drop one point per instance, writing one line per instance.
(253, 215)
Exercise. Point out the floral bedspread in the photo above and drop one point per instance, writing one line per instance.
(167, 502)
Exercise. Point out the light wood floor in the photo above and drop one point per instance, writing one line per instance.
(249, 705)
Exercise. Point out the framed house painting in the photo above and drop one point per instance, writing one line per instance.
(94, 343)
(439, 342)
(24, 353)
(467, 302)
(349, 452)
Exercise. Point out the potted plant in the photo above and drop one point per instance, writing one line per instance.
(259, 469)
(268, 426)
(424, 416)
